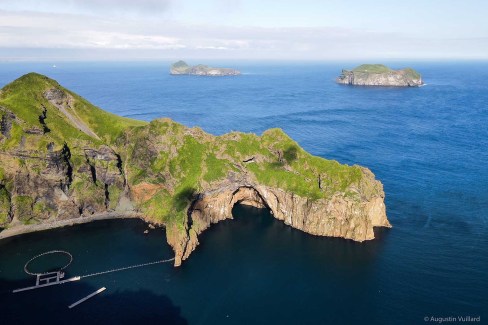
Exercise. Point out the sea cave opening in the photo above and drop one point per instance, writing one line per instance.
(247, 201)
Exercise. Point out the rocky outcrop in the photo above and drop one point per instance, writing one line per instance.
(64, 102)
(337, 216)
(56, 186)
(63, 159)
(5, 206)
(380, 75)
(181, 68)
(6, 119)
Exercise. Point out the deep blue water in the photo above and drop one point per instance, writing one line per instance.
(427, 145)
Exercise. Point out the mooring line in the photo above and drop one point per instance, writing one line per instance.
(127, 268)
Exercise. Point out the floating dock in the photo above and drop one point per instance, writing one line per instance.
(86, 298)
(76, 278)
(53, 278)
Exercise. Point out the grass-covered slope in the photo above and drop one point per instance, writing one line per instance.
(179, 67)
(49, 167)
(372, 68)
(161, 166)
(25, 97)
(380, 68)
(380, 75)
(174, 163)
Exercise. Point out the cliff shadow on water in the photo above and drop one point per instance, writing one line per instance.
(114, 306)
(254, 236)
(132, 296)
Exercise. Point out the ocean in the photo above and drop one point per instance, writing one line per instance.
(427, 145)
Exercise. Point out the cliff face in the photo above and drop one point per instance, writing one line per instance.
(337, 216)
(380, 75)
(63, 158)
(181, 68)
(53, 164)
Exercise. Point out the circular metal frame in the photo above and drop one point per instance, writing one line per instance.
(26, 270)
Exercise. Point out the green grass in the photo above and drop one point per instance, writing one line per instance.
(114, 195)
(245, 146)
(180, 64)
(412, 73)
(23, 206)
(198, 159)
(372, 68)
(380, 68)
(24, 97)
(4, 206)
(183, 161)
(86, 192)
(40, 209)
(106, 125)
(216, 168)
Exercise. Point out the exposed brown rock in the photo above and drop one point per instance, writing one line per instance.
(338, 216)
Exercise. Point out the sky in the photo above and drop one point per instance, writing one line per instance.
(243, 29)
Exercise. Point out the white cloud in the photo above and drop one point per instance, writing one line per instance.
(169, 39)
(92, 7)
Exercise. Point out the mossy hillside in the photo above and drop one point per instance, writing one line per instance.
(192, 161)
(181, 159)
(180, 66)
(380, 68)
(169, 161)
(42, 209)
(23, 205)
(87, 193)
(24, 97)
(43, 143)
(372, 68)
(411, 73)
(5, 206)
(106, 125)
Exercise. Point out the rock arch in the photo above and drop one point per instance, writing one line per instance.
(212, 207)
(335, 216)
(248, 195)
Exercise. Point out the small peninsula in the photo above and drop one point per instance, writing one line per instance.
(182, 68)
(380, 75)
(63, 160)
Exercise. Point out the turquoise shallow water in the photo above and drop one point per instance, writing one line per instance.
(427, 145)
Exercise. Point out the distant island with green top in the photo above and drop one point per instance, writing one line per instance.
(380, 75)
(182, 68)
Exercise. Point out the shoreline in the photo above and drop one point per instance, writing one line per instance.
(25, 229)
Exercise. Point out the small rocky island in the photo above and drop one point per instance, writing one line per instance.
(182, 68)
(65, 161)
(380, 75)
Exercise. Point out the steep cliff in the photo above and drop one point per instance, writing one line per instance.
(181, 68)
(57, 161)
(380, 75)
(63, 158)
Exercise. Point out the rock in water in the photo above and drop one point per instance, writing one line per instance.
(182, 68)
(380, 75)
